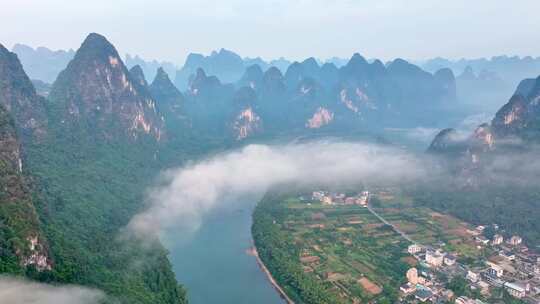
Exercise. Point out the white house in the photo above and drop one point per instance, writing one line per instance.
(497, 239)
(414, 248)
(515, 240)
(515, 290)
(434, 258)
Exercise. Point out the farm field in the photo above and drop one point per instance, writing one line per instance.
(355, 255)
(428, 227)
(346, 251)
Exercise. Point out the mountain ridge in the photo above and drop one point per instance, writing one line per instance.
(96, 90)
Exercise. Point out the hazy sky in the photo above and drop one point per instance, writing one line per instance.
(170, 29)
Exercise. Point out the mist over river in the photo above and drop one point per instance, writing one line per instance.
(213, 262)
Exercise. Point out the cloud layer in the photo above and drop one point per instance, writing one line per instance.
(17, 291)
(186, 194)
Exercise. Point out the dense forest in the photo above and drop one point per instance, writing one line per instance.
(513, 208)
(83, 225)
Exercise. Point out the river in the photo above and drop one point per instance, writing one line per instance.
(214, 265)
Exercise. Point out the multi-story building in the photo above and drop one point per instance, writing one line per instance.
(515, 290)
(449, 260)
(472, 276)
(412, 276)
(317, 195)
(515, 240)
(495, 270)
(414, 248)
(434, 258)
(327, 200)
(497, 239)
(491, 279)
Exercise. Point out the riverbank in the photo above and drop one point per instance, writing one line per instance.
(282, 294)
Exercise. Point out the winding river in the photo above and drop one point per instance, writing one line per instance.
(214, 263)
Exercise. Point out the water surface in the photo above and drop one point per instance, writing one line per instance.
(214, 265)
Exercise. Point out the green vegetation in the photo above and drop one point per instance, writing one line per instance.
(87, 190)
(18, 217)
(426, 226)
(513, 208)
(328, 254)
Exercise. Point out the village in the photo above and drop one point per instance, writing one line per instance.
(512, 268)
(506, 267)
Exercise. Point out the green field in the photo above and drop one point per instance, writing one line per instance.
(428, 227)
(346, 249)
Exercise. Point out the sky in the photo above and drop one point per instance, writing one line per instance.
(295, 29)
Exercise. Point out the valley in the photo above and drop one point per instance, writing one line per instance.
(304, 179)
(341, 249)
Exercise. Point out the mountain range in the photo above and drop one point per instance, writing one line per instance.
(481, 83)
(516, 124)
(75, 162)
(485, 82)
(309, 98)
(490, 174)
(43, 65)
(72, 166)
(224, 64)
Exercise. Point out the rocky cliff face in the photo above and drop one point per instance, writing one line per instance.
(137, 75)
(446, 140)
(358, 96)
(246, 122)
(97, 93)
(252, 77)
(19, 98)
(320, 118)
(520, 117)
(170, 101)
(513, 131)
(19, 224)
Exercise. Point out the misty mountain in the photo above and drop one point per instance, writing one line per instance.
(492, 166)
(171, 103)
(42, 88)
(149, 67)
(138, 77)
(484, 90)
(97, 95)
(19, 98)
(208, 103)
(485, 83)
(104, 132)
(224, 64)
(42, 63)
(72, 170)
(516, 123)
(510, 68)
(313, 98)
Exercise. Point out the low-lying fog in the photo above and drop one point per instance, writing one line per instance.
(184, 195)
